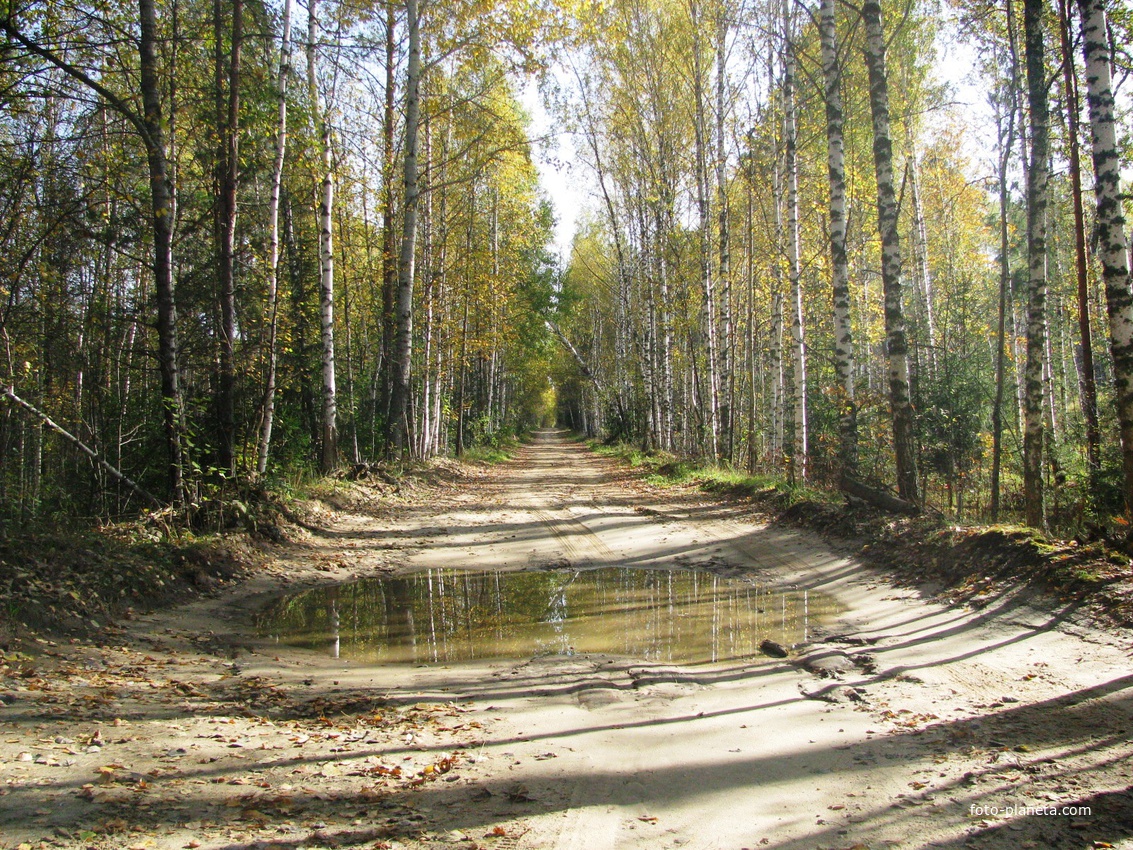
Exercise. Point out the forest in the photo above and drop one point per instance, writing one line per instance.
(244, 241)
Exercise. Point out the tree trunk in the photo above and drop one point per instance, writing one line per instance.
(466, 297)
(878, 498)
(1016, 128)
(430, 269)
(1036, 263)
(1088, 392)
(752, 359)
(725, 322)
(797, 465)
(227, 183)
(839, 266)
(161, 197)
(326, 308)
(920, 251)
(704, 228)
(665, 351)
(329, 454)
(389, 238)
(1112, 245)
(1006, 139)
(778, 371)
(398, 426)
(778, 378)
(904, 437)
(345, 250)
(273, 257)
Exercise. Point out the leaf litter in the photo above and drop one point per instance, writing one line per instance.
(131, 746)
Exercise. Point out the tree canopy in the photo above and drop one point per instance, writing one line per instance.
(246, 238)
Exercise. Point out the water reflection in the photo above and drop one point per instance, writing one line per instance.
(442, 616)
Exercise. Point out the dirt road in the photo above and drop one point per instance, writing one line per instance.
(903, 723)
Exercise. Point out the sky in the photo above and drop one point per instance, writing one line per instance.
(564, 178)
(569, 183)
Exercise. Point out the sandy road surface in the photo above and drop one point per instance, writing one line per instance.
(936, 716)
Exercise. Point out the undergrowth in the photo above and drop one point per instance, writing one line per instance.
(78, 579)
(490, 454)
(74, 578)
(665, 469)
(967, 564)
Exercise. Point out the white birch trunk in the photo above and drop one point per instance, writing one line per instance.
(398, 436)
(326, 310)
(704, 226)
(666, 343)
(778, 390)
(798, 457)
(725, 321)
(1037, 177)
(1113, 249)
(839, 267)
(264, 448)
(325, 209)
(896, 342)
(920, 253)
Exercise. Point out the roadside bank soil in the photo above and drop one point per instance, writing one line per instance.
(903, 723)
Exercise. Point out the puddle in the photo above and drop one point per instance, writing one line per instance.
(441, 616)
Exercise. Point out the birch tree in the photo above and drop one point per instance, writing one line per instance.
(797, 466)
(226, 85)
(896, 343)
(328, 457)
(839, 266)
(1037, 178)
(703, 191)
(397, 434)
(1113, 249)
(1088, 391)
(282, 79)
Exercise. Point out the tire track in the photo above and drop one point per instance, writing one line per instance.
(580, 543)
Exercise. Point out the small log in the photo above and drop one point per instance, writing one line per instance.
(878, 498)
(358, 472)
(773, 649)
(10, 394)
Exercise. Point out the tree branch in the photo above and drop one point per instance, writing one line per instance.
(10, 394)
(115, 102)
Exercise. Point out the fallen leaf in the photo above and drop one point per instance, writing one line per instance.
(519, 794)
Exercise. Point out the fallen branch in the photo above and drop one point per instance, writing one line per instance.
(878, 498)
(583, 366)
(10, 394)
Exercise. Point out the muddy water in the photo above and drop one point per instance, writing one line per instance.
(441, 616)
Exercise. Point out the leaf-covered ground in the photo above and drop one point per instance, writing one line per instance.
(138, 708)
(973, 564)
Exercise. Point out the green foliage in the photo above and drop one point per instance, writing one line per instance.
(78, 297)
(666, 470)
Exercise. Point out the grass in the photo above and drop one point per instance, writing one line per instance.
(499, 449)
(667, 470)
(971, 563)
(490, 454)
